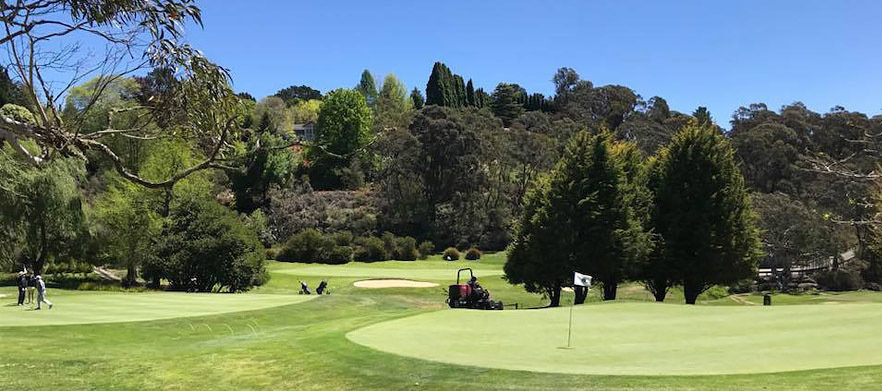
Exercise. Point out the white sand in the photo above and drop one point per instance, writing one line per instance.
(393, 283)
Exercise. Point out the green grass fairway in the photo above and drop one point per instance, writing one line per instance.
(242, 344)
(641, 338)
(98, 307)
(433, 269)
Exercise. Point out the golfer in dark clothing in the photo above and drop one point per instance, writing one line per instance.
(22, 287)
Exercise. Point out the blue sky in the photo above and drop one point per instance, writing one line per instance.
(712, 53)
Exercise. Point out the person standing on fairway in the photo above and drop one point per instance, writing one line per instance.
(22, 281)
(41, 293)
(32, 285)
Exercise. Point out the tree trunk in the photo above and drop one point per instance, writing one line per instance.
(581, 293)
(661, 290)
(131, 274)
(609, 291)
(691, 292)
(554, 295)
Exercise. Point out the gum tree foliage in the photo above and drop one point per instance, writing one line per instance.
(828, 161)
(271, 164)
(138, 35)
(793, 233)
(702, 216)
(565, 79)
(435, 175)
(294, 95)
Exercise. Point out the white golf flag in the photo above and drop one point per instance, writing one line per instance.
(580, 279)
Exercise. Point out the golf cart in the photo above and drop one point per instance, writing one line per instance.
(470, 295)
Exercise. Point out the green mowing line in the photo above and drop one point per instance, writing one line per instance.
(135, 307)
(640, 338)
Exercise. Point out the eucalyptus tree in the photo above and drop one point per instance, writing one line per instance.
(43, 41)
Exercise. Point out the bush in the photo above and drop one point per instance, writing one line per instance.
(743, 286)
(370, 249)
(451, 253)
(473, 254)
(308, 245)
(389, 244)
(272, 253)
(840, 280)
(426, 248)
(405, 249)
(292, 210)
(339, 255)
(342, 238)
(715, 292)
(203, 240)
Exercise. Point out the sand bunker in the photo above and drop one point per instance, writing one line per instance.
(393, 283)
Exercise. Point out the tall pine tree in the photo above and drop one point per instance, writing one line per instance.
(367, 86)
(435, 88)
(417, 97)
(702, 214)
(470, 94)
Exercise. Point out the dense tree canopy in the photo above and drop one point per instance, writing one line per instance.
(344, 129)
(702, 214)
(296, 94)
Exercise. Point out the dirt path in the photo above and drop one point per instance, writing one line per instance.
(740, 300)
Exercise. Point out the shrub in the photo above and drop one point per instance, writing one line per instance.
(473, 254)
(405, 249)
(743, 286)
(272, 253)
(308, 245)
(840, 280)
(342, 238)
(715, 292)
(292, 210)
(451, 253)
(203, 240)
(370, 249)
(426, 248)
(389, 244)
(339, 255)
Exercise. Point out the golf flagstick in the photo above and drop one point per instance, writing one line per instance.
(579, 280)
(570, 330)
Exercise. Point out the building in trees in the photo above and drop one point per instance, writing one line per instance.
(305, 132)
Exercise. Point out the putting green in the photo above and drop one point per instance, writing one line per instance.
(133, 307)
(427, 270)
(640, 338)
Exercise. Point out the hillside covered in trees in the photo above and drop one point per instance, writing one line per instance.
(132, 169)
